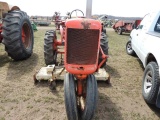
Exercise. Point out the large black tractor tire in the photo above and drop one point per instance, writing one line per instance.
(104, 46)
(151, 83)
(91, 98)
(129, 49)
(104, 30)
(70, 97)
(17, 35)
(50, 54)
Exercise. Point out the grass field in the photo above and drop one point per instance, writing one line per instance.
(20, 99)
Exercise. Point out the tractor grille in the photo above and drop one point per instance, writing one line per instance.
(82, 46)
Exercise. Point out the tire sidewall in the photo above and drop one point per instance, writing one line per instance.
(91, 98)
(70, 97)
(12, 26)
(152, 95)
(50, 56)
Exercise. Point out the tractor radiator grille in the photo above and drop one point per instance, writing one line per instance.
(82, 46)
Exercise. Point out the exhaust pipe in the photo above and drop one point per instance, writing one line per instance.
(89, 9)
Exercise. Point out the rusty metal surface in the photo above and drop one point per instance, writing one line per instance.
(129, 27)
(4, 6)
(82, 46)
(14, 8)
(122, 23)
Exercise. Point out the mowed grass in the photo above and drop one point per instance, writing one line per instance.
(20, 99)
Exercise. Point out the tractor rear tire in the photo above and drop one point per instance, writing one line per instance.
(104, 30)
(50, 54)
(104, 46)
(17, 35)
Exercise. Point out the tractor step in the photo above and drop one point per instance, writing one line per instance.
(57, 73)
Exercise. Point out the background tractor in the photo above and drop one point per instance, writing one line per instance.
(125, 26)
(57, 20)
(16, 32)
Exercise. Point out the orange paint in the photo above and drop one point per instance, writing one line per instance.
(79, 87)
(23, 36)
(81, 77)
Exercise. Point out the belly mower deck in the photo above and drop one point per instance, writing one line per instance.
(53, 73)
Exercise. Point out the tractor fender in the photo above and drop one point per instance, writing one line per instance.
(158, 99)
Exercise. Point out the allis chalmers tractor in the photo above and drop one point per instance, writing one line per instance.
(85, 54)
(16, 32)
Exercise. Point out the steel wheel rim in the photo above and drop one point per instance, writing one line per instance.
(82, 103)
(129, 48)
(26, 35)
(148, 82)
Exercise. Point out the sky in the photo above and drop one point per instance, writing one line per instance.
(124, 8)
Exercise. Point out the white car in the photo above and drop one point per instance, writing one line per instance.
(145, 43)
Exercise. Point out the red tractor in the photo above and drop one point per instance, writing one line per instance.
(85, 53)
(125, 26)
(16, 32)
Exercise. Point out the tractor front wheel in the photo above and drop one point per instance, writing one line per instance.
(70, 97)
(17, 35)
(90, 99)
(80, 107)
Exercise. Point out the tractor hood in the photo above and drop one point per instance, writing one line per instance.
(82, 45)
(83, 23)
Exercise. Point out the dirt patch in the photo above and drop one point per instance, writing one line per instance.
(109, 29)
(20, 99)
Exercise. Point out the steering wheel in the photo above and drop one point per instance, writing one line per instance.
(76, 10)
